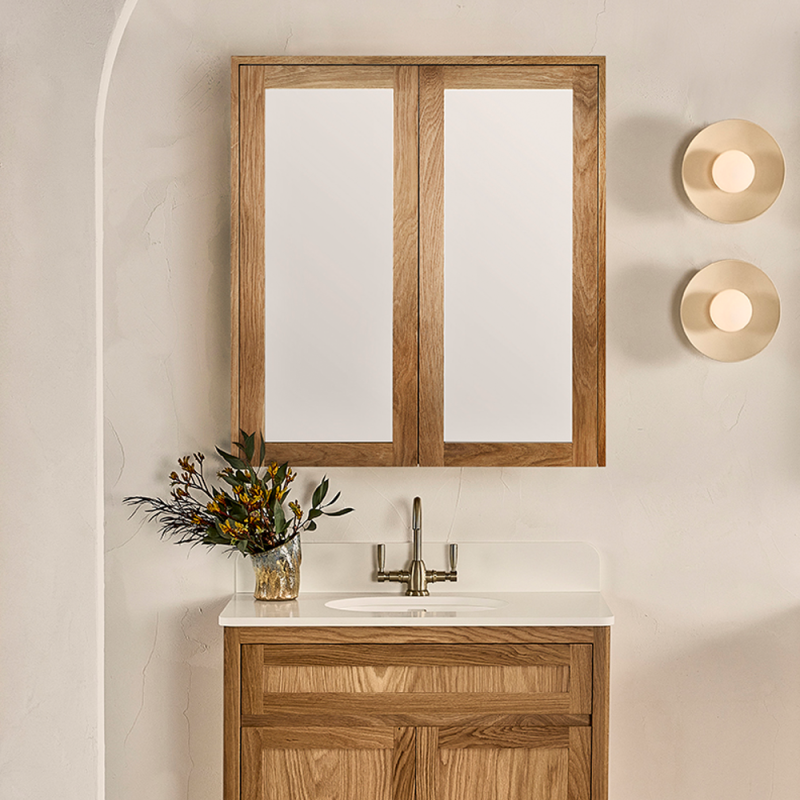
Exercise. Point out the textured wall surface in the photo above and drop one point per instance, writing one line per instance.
(694, 518)
(50, 67)
(695, 515)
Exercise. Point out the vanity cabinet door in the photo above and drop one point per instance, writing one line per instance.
(321, 763)
(504, 763)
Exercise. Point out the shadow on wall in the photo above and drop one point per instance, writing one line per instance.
(192, 727)
(645, 155)
(647, 301)
(713, 718)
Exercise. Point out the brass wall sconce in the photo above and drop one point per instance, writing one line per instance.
(733, 171)
(730, 310)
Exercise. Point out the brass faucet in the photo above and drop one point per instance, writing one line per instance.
(416, 576)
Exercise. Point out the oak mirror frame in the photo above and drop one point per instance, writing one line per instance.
(402, 289)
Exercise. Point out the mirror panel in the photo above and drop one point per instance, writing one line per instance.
(508, 252)
(328, 256)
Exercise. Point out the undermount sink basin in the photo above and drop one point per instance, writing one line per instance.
(402, 605)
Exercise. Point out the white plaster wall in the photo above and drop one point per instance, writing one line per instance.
(696, 515)
(51, 57)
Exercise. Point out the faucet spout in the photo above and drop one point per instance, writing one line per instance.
(416, 529)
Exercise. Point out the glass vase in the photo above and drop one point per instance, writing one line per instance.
(278, 572)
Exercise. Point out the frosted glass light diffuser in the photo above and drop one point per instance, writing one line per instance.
(508, 265)
(714, 310)
(730, 310)
(329, 264)
(733, 171)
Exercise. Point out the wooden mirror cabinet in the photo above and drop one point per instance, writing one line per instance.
(418, 259)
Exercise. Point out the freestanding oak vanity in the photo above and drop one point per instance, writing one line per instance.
(459, 696)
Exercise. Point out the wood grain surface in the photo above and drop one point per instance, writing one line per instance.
(250, 281)
(231, 715)
(404, 763)
(363, 738)
(442, 654)
(344, 768)
(423, 708)
(503, 774)
(235, 293)
(405, 317)
(341, 714)
(600, 708)
(582, 765)
(247, 303)
(416, 679)
(585, 385)
(431, 266)
(601, 263)
(419, 635)
(418, 291)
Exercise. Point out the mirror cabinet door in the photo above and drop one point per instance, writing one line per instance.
(511, 352)
(327, 238)
(418, 261)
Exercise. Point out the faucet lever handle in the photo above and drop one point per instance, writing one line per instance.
(381, 557)
(453, 557)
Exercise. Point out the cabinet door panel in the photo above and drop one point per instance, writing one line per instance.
(431, 684)
(321, 764)
(509, 764)
(559, 671)
(493, 392)
(324, 310)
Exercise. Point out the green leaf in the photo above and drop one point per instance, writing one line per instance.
(312, 526)
(279, 517)
(231, 480)
(262, 450)
(337, 513)
(249, 447)
(281, 474)
(237, 512)
(314, 513)
(235, 462)
(319, 493)
(331, 502)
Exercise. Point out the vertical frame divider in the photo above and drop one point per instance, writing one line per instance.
(232, 716)
(234, 244)
(580, 768)
(431, 305)
(250, 320)
(427, 752)
(601, 653)
(585, 409)
(404, 763)
(601, 263)
(405, 357)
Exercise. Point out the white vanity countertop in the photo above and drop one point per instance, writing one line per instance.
(514, 609)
